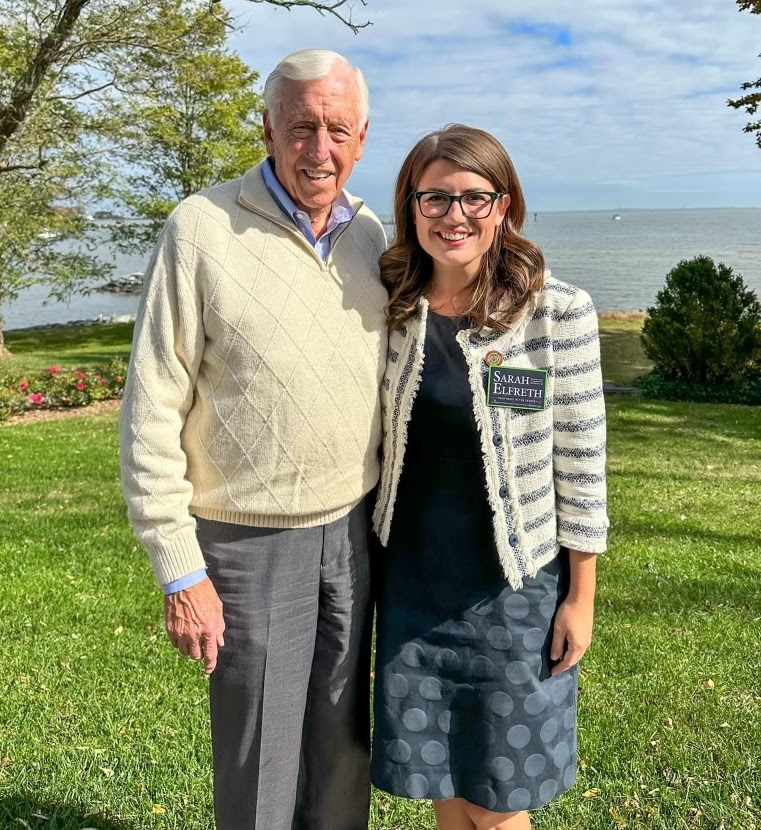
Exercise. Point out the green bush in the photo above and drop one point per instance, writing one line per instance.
(58, 388)
(705, 329)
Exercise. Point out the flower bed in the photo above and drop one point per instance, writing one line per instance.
(59, 388)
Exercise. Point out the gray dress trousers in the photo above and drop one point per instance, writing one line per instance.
(290, 694)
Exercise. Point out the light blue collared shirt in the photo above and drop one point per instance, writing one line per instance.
(340, 213)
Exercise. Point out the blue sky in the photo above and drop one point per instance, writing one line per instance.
(602, 104)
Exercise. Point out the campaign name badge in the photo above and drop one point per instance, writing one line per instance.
(517, 387)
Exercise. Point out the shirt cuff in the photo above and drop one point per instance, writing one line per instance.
(186, 581)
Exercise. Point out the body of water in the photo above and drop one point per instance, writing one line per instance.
(621, 263)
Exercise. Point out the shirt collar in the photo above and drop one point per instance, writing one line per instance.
(341, 210)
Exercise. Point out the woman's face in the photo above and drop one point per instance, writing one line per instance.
(456, 242)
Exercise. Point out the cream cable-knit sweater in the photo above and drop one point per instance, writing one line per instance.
(252, 394)
(544, 470)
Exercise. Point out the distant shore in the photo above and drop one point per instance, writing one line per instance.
(106, 319)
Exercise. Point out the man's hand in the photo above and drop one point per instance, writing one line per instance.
(194, 622)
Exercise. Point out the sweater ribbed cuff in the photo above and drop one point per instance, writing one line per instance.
(177, 557)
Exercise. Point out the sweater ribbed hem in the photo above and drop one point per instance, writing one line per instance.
(177, 557)
(235, 517)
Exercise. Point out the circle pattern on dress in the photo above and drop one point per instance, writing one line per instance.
(561, 754)
(547, 606)
(415, 720)
(519, 799)
(535, 703)
(399, 751)
(397, 686)
(499, 638)
(533, 639)
(517, 606)
(518, 672)
(502, 768)
(430, 688)
(433, 753)
(518, 736)
(549, 730)
(444, 721)
(482, 668)
(534, 765)
(446, 788)
(417, 785)
(501, 704)
(412, 655)
(448, 661)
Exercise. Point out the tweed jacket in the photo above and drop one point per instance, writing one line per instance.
(545, 470)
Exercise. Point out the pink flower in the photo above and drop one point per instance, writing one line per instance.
(118, 378)
(80, 385)
(35, 397)
(79, 374)
(54, 370)
(23, 386)
(103, 382)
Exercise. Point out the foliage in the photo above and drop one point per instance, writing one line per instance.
(752, 100)
(705, 327)
(59, 59)
(58, 388)
(186, 120)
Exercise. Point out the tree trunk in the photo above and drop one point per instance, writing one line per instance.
(3, 351)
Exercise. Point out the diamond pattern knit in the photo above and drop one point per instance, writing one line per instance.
(252, 395)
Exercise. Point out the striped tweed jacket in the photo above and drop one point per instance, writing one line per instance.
(545, 470)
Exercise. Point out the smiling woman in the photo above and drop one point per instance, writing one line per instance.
(492, 496)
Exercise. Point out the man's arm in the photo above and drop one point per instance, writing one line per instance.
(166, 353)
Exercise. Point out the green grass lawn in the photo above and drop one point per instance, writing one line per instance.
(103, 725)
(72, 346)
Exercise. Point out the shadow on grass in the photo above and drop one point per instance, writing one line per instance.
(622, 356)
(25, 811)
(670, 421)
(673, 595)
(66, 337)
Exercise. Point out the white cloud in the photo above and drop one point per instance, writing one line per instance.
(633, 113)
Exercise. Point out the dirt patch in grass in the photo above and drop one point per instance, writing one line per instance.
(43, 415)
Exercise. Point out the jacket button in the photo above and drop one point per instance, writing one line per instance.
(513, 539)
(497, 440)
(503, 493)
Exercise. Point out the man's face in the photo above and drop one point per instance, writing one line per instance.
(315, 135)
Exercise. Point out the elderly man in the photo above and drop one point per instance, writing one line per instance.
(250, 434)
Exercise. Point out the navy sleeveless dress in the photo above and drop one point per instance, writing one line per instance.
(464, 704)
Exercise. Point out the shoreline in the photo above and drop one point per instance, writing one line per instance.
(624, 315)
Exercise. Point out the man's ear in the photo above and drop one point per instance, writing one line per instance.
(362, 139)
(270, 144)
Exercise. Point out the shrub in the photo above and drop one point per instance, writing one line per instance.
(705, 329)
(58, 388)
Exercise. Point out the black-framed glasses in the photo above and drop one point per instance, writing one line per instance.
(434, 204)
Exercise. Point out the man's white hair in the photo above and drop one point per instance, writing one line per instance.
(309, 65)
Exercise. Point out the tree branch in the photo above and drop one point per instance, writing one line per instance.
(323, 8)
(14, 113)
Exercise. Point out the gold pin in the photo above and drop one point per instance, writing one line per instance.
(493, 358)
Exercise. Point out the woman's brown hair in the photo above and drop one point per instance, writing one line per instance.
(511, 271)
